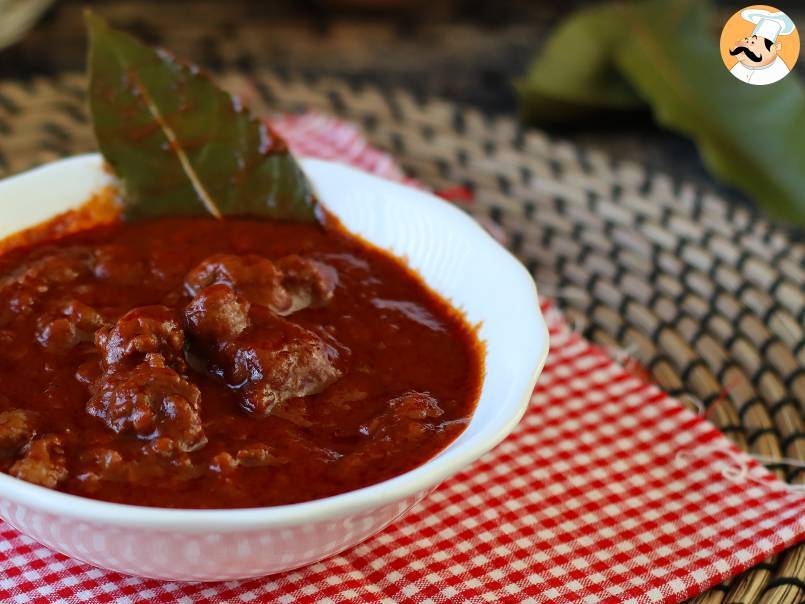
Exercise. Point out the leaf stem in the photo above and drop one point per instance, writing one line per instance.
(176, 147)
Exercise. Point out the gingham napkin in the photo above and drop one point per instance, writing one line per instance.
(608, 491)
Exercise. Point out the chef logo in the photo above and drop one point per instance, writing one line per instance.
(760, 45)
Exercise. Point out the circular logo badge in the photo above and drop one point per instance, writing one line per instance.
(760, 45)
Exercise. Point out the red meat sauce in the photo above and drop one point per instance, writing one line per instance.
(200, 363)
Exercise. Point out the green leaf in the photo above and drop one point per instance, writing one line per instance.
(575, 76)
(181, 145)
(751, 137)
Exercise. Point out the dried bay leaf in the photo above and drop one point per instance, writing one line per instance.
(179, 144)
(666, 54)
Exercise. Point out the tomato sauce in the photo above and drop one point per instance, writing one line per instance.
(200, 363)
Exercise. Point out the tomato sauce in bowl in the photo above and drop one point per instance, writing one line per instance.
(200, 363)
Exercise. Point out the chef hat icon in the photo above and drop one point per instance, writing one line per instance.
(768, 25)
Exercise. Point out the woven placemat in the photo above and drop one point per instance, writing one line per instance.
(707, 296)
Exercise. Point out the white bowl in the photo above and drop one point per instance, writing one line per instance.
(454, 256)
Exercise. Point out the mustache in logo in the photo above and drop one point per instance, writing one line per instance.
(743, 49)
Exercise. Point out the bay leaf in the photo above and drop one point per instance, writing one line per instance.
(666, 52)
(575, 77)
(179, 144)
(751, 137)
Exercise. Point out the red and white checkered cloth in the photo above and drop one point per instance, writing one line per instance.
(608, 491)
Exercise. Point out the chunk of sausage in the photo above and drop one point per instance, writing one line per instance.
(56, 265)
(116, 263)
(309, 283)
(255, 277)
(42, 462)
(402, 427)
(277, 360)
(217, 313)
(151, 401)
(408, 406)
(142, 331)
(101, 464)
(405, 418)
(106, 462)
(223, 463)
(67, 326)
(166, 471)
(257, 456)
(17, 427)
(289, 285)
(267, 358)
(23, 287)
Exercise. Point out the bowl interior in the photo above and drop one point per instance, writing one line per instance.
(449, 250)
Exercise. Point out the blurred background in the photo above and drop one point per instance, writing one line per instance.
(469, 51)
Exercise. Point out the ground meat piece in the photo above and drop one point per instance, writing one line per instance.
(24, 286)
(42, 462)
(295, 411)
(57, 335)
(67, 326)
(289, 285)
(56, 265)
(151, 401)
(115, 263)
(255, 277)
(170, 473)
(404, 418)
(217, 313)
(269, 361)
(101, 464)
(310, 283)
(223, 463)
(408, 406)
(104, 460)
(161, 447)
(257, 456)
(402, 427)
(144, 330)
(277, 360)
(17, 427)
(88, 372)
